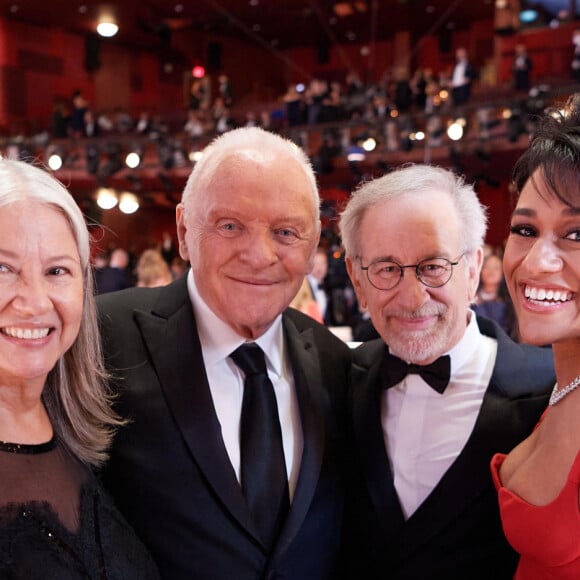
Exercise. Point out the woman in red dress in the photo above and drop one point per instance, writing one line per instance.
(539, 481)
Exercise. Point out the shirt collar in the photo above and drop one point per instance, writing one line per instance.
(462, 352)
(218, 340)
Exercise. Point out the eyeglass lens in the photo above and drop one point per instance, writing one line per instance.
(432, 272)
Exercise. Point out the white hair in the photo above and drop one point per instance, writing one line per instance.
(252, 142)
(418, 180)
(75, 395)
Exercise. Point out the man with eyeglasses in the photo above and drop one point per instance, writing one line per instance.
(438, 394)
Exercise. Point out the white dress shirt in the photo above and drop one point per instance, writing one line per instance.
(226, 382)
(459, 77)
(425, 431)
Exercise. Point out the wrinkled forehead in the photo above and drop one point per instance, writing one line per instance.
(250, 164)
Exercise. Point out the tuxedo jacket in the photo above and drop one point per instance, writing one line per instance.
(169, 471)
(462, 93)
(456, 533)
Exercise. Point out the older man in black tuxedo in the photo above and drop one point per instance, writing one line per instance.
(438, 394)
(230, 464)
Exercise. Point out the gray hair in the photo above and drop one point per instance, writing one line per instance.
(417, 180)
(245, 139)
(75, 394)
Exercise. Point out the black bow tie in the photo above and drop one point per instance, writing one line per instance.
(436, 374)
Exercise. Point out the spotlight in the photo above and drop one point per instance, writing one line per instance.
(528, 16)
(106, 198)
(369, 144)
(128, 203)
(55, 162)
(55, 158)
(107, 29)
(133, 160)
(195, 156)
(455, 131)
(198, 72)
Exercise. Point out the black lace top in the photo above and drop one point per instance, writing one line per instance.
(57, 523)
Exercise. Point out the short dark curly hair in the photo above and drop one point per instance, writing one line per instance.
(555, 150)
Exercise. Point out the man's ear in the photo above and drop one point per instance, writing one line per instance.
(181, 231)
(310, 262)
(355, 274)
(475, 265)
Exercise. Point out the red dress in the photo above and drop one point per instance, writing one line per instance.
(547, 537)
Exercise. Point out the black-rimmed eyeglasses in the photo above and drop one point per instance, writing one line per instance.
(432, 272)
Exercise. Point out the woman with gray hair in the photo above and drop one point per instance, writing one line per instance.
(55, 420)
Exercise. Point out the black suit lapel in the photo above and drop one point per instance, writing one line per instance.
(313, 403)
(171, 338)
(369, 438)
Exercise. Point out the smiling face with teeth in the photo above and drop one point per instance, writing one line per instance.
(542, 264)
(41, 291)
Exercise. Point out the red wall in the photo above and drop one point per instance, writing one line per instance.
(39, 67)
(550, 50)
(425, 53)
(499, 203)
(341, 59)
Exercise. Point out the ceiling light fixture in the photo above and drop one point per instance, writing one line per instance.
(107, 29)
(455, 130)
(106, 198)
(133, 159)
(55, 162)
(128, 203)
(528, 16)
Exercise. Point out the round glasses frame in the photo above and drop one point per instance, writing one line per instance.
(431, 272)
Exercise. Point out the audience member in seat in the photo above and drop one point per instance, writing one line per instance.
(492, 299)
(116, 275)
(152, 270)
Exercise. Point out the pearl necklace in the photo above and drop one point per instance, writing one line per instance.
(559, 394)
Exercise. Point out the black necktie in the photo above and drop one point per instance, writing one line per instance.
(436, 374)
(263, 469)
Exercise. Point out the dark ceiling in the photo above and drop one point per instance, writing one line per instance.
(278, 24)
